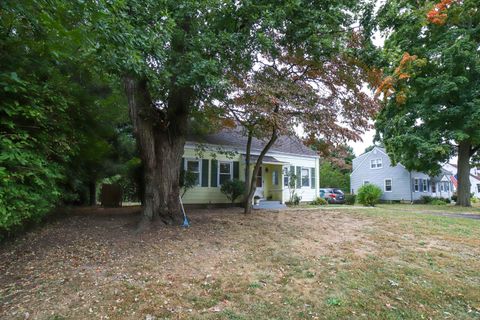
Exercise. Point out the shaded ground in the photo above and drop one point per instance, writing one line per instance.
(304, 264)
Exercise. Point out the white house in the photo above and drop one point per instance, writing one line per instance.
(474, 178)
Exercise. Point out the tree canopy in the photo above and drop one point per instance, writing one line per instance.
(431, 97)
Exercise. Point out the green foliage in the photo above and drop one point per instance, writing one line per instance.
(438, 202)
(332, 177)
(57, 117)
(294, 200)
(369, 195)
(188, 180)
(433, 96)
(233, 189)
(434, 200)
(319, 202)
(350, 199)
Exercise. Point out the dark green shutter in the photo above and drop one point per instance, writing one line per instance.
(236, 170)
(205, 173)
(299, 177)
(312, 178)
(213, 174)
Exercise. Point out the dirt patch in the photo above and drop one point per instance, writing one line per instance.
(272, 264)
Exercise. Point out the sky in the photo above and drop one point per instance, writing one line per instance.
(360, 146)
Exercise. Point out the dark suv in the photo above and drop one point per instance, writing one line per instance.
(332, 195)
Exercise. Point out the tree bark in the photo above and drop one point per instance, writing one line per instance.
(92, 190)
(161, 139)
(248, 203)
(463, 174)
(247, 167)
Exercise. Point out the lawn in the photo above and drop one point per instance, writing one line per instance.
(389, 262)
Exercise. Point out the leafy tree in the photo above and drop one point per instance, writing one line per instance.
(36, 136)
(283, 94)
(233, 189)
(332, 177)
(178, 58)
(431, 99)
(57, 116)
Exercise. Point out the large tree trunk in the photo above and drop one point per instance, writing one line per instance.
(463, 174)
(161, 139)
(253, 179)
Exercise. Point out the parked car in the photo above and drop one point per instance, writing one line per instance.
(332, 195)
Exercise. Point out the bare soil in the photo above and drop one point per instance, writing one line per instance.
(272, 264)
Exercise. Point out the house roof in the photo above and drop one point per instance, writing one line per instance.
(236, 138)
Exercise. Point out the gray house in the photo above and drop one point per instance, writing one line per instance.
(397, 182)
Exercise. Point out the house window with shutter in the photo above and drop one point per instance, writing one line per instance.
(424, 185)
(193, 166)
(416, 185)
(225, 172)
(305, 177)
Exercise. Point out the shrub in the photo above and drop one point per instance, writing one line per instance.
(474, 200)
(369, 195)
(438, 202)
(295, 200)
(188, 180)
(426, 199)
(233, 189)
(319, 202)
(350, 199)
(454, 197)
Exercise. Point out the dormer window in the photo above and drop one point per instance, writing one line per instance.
(376, 163)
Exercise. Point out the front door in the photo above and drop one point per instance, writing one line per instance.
(259, 183)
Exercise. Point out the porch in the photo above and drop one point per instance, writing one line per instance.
(269, 181)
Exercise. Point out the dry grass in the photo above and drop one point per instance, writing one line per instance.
(387, 263)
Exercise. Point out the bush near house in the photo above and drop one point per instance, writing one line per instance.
(369, 195)
(350, 199)
(294, 200)
(438, 202)
(233, 189)
(319, 202)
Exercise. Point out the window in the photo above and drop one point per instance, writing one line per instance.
(224, 172)
(415, 185)
(286, 175)
(441, 186)
(305, 177)
(434, 187)
(388, 185)
(376, 163)
(478, 187)
(365, 182)
(275, 177)
(193, 166)
(447, 186)
(424, 185)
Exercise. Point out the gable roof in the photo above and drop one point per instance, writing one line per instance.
(235, 138)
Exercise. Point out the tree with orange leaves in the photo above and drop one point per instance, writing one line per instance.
(431, 106)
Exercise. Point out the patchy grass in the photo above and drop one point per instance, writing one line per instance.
(388, 262)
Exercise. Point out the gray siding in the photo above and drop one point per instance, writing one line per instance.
(402, 185)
